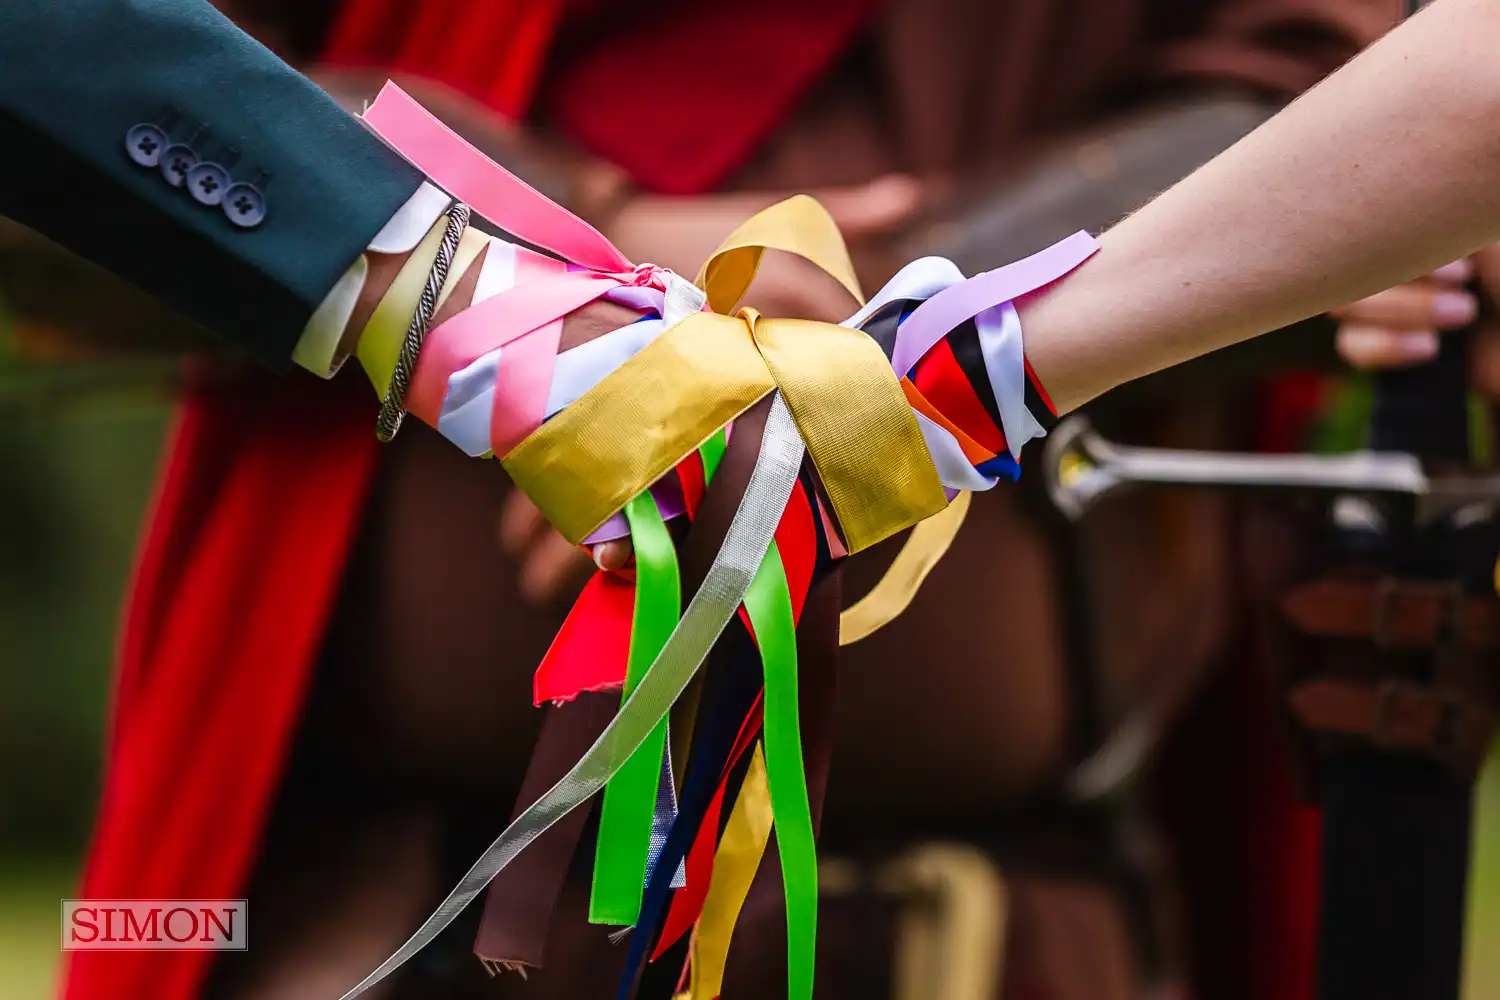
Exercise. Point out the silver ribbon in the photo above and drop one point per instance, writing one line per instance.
(663, 818)
(717, 600)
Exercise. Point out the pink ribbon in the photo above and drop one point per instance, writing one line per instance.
(526, 320)
(457, 167)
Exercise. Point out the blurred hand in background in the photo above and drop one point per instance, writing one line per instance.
(1400, 326)
(680, 233)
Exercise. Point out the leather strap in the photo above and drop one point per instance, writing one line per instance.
(1391, 612)
(1441, 723)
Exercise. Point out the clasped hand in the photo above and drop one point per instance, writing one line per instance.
(680, 233)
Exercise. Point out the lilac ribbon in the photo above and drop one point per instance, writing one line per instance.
(947, 310)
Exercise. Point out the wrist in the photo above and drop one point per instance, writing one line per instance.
(598, 191)
(383, 268)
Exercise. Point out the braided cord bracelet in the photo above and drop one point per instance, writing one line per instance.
(393, 405)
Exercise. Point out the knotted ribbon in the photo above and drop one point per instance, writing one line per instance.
(834, 391)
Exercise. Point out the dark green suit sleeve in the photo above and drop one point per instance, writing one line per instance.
(76, 75)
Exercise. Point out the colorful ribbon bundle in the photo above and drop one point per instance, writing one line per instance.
(688, 431)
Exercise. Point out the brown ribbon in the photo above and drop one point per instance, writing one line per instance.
(522, 898)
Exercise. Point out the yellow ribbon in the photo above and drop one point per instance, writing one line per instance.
(634, 426)
(928, 544)
(735, 863)
(380, 341)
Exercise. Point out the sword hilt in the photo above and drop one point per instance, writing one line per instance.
(1424, 410)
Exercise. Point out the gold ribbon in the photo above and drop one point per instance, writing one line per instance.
(735, 864)
(928, 544)
(634, 426)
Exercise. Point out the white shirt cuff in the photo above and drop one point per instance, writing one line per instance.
(318, 348)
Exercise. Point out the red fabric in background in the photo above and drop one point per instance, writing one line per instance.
(1246, 849)
(491, 50)
(1286, 832)
(239, 570)
(677, 93)
(682, 93)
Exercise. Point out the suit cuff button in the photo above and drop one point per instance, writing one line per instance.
(207, 182)
(244, 205)
(144, 143)
(176, 160)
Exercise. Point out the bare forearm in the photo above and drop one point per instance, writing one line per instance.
(1388, 169)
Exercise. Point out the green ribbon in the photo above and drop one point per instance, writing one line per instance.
(769, 604)
(712, 453)
(624, 846)
(630, 798)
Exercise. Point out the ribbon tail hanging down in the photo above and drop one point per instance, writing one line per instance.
(924, 548)
(739, 854)
(770, 607)
(717, 600)
(626, 820)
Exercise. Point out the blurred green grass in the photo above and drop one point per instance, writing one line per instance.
(1482, 947)
(70, 507)
(30, 895)
(78, 454)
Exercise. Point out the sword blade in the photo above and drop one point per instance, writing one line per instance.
(1082, 467)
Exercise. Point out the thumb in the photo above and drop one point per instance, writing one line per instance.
(874, 208)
